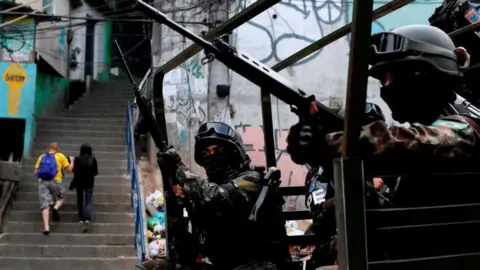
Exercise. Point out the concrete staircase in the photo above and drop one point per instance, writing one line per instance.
(97, 119)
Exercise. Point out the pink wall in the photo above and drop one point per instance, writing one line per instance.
(292, 174)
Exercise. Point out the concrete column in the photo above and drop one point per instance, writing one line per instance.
(218, 73)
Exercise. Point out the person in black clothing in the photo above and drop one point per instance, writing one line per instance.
(84, 172)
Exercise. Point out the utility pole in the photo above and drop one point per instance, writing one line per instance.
(219, 77)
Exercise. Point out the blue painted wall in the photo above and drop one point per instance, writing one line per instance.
(26, 104)
(417, 12)
(18, 55)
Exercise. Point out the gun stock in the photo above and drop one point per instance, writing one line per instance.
(252, 70)
(170, 200)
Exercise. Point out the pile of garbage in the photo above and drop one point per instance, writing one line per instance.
(155, 205)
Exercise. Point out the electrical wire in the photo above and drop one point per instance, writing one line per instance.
(106, 19)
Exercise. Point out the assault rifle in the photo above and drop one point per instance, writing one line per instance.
(171, 203)
(254, 71)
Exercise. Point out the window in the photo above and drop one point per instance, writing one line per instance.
(48, 6)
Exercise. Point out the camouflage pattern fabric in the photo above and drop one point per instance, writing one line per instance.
(452, 136)
(211, 194)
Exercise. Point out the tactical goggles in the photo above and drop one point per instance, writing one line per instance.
(369, 108)
(221, 129)
(387, 45)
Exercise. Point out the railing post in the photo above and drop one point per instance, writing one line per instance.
(348, 171)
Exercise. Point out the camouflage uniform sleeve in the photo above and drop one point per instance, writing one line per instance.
(453, 136)
(210, 194)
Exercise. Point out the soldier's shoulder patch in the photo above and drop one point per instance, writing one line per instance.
(457, 125)
(246, 185)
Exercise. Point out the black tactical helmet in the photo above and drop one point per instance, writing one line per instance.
(218, 133)
(373, 113)
(415, 45)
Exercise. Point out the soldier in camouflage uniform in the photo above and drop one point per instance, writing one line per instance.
(418, 67)
(219, 207)
(323, 212)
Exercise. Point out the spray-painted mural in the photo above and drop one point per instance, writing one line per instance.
(52, 45)
(18, 95)
(18, 40)
(185, 92)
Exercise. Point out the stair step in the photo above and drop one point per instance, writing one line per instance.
(88, 112)
(122, 91)
(99, 179)
(47, 126)
(71, 228)
(102, 107)
(103, 103)
(34, 263)
(87, 108)
(104, 163)
(97, 197)
(50, 251)
(72, 217)
(75, 147)
(61, 139)
(62, 238)
(92, 133)
(99, 187)
(105, 96)
(28, 168)
(71, 206)
(87, 115)
(99, 155)
(78, 121)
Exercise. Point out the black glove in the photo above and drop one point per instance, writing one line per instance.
(169, 160)
(304, 143)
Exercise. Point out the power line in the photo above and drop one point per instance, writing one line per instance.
(56, 18)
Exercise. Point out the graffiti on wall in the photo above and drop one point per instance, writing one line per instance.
(15, 78)
(294, 24)
(74, 58)
(62, 44)
(194, 67)
(17, 98)
(18, 40)
(180, 86)
(189, 112)
(51, 45)
(184, 92)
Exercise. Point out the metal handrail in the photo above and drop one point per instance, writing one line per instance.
(146, 85)
(136, 198)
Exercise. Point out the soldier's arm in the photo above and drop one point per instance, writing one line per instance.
(453, 136)
(212, 195)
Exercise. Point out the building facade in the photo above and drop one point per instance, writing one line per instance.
(47, 59)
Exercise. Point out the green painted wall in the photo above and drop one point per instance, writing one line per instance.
(107, 55)
(50, 94)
